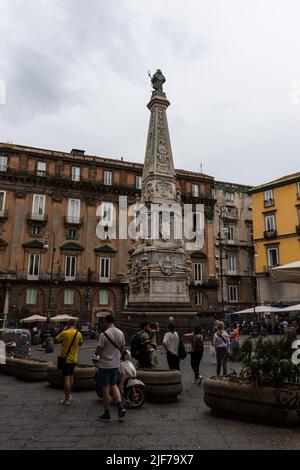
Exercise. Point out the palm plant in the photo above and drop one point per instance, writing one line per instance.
(267, 362)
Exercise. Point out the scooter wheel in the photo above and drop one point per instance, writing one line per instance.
(134, 397)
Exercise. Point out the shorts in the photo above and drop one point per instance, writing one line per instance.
(107, 377)
(68, 369)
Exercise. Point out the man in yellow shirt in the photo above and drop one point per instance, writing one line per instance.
(70, 339)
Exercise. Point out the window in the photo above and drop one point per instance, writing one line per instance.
(3, 163)
(38, 206)
(104, 269)
(41, 169)
(198, 298)
(229, 196)
(138, 182)
(298, 189)
(36, 230)
(298, 209)
(103, 297)
(75, 173)
(268, 198)
(108, 178)
(72, 234)
(198, 273)
(33, 267)
(270, 224)
(195, 190)
(273, 259)
(69, 297)
(233, 295)
(31, 296)
(70, 272)
(232, 263)
(230, 234)
(74, 211)
(2, 202)
(107, 213)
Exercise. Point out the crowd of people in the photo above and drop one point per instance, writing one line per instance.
(143, 346)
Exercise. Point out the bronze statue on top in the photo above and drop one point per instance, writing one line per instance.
(157, 80)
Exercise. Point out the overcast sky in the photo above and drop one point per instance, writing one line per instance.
(76, 77)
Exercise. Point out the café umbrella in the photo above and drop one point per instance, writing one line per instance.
(63, 318)
(34, 319)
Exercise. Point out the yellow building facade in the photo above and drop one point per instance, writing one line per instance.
(276, 234)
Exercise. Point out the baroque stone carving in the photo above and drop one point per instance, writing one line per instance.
(164, 189)
(167, 267)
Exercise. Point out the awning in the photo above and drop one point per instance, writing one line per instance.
(286, 273)
(292, 308)
(260, 309)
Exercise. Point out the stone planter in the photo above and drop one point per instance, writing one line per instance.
(161, 386)
(280, 405)
(84, 377)
(28, 369)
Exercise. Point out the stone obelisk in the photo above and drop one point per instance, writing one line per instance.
(159, 268)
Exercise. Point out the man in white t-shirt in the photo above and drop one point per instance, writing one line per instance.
(171, 344)
(110, 347)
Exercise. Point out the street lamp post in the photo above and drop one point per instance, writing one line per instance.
(221, 258)
(251, 253)
(46, 246)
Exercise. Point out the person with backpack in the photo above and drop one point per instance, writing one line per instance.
(221, 343)
(196, 352)
(171, 345)
(140, 346)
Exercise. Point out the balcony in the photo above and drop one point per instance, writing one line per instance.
(270, 234)
(269, 202)
(37, 218)
(3, 168)
(72, 221)
(3, 214)
(41, 173)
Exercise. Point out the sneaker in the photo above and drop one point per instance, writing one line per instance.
(66, 401)
(200, 379)
(196, 381)
(122, 412)
(105, 418)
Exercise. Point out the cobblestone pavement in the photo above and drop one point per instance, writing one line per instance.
(31, 417)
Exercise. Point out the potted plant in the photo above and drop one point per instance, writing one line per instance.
(267, 387)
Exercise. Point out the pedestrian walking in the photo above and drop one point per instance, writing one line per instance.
(171, 345)
(221, 343)
(234, 337)
(196, 352)
(70, 339)
(110, 348)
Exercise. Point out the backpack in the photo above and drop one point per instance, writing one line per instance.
(136, 345)
(198, 345)
(181, 350)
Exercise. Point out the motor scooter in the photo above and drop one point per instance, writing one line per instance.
(131, 389)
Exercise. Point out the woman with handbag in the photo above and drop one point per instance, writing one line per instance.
(196, 352)
(221, 343)
(171, 345)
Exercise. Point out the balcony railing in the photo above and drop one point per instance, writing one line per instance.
(61, 277)
(3, 167)
(70, 220)
(270, 234)
(269, 202)
(41, 173)
(36, 217)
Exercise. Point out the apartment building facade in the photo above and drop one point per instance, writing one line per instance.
(52, 258)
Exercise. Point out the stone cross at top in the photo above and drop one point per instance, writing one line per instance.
(157, 81)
